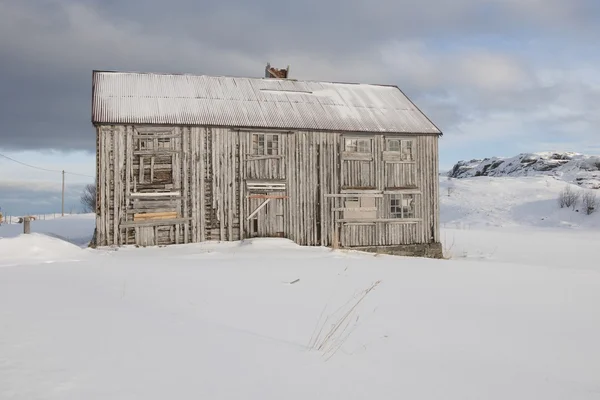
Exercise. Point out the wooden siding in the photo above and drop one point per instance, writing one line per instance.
(202, 175)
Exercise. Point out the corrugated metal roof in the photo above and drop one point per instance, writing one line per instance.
(147, 98)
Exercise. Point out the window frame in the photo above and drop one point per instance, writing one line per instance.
(396, 208)
(356, 147)
(396, 152)
(266, 144)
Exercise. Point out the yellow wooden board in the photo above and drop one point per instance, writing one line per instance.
(153, 216)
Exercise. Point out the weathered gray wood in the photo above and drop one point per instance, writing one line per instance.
(210, 168)
(183, 166)
(381, 220)
(346, 155)
(158, 222)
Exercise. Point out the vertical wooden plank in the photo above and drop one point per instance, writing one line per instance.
(232, 191)
(107, 158)
(230, 182)
(241, 185)
(321, 183)
(151, 169)
(117, 148)
(214, 172)
(141, 177)
(436, 189)
(201, 182)
(193, 187)
(100, 233)
(220, 192)
(128, 173)
(182, 166)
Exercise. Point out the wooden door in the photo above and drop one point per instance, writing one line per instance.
(267, 215)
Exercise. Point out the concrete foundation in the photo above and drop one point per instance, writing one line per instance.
(427, 250)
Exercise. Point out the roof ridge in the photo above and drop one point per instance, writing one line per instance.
(258, 78)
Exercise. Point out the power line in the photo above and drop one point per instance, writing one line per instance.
(43, 169)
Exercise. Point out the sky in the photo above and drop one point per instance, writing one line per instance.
(498, 77)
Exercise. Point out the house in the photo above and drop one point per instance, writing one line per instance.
(187, 158)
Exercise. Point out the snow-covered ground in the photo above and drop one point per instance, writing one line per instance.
(523, 202)
(76, 228)
(513, 315)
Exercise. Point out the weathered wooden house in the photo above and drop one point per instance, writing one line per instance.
(184, 158)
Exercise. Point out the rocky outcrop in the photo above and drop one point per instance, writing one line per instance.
(580, 169)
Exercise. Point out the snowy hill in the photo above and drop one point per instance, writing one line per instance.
(583, 170)
(510, 202)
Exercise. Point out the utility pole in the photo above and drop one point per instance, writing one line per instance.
(63, 193)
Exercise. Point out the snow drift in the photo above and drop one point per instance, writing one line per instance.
(37, 248)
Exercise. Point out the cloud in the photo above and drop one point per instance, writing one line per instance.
(466, 68)
(480, 69)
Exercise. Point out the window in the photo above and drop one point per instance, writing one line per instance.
(406, 152)
(264, 144)
(358, 145)
(393, 145)
(404, 147)
(154, 143)
(402, 206)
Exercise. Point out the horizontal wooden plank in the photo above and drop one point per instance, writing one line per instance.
(402, 191)
(141, 224)
(153, 130)
(157, 135)
(169, 203)
(158, 213)
(156, 153)
(156, 187)
(360, 191)
(262, 130)
(252, 185)
(356, 209)
(355, 195)
(142, 209)
(155, 216)
(382, 220)
(399, 162)
(266, 196)
(394, 156)
(250, 157)
(155, 194)
(157, 167)
(352, 156)
(265, 181)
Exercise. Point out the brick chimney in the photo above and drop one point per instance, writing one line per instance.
(272, 72)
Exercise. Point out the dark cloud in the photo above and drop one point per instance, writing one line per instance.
(48, 49)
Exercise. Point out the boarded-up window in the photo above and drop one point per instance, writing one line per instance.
(358, 170)
(360, 208)
(358, 145)
(265, 144)
(153, 158)
(402, 206)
